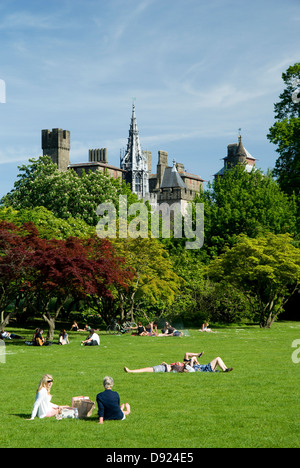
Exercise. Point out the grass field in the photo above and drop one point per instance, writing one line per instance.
(256, 405)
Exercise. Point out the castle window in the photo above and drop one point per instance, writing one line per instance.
(138, 184)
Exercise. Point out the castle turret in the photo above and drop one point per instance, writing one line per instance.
(56, 144)
(237, 155)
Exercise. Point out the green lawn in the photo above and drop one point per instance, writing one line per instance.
(256, 405)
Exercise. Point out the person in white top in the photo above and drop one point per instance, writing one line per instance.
(92, 340)
(43, 408)
(205, 328)
(63, 338)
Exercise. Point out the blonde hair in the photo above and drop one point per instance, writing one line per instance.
(43, 382)
(108, 382)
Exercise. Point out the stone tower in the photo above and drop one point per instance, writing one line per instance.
(56, 144)
(237, 155)
(135, 161)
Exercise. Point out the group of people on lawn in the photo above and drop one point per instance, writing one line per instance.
(108, 401)
(93, 338)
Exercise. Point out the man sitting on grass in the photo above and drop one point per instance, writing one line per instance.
(92, 340)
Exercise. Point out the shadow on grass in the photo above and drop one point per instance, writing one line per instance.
(93, 419)
(22, 415)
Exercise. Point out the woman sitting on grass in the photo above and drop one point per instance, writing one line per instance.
(205, 328)
(109, 403)
(43, 408)
(63, 338)
(39, 340)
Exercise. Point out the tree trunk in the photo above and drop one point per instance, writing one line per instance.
(4, 320)
(51, 320)
(51, 323)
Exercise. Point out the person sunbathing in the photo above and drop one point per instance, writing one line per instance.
(163, 367)
(190, 364)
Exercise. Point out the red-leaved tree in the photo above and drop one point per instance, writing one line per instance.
(45, 274)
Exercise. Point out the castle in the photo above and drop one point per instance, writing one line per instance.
(170, 184)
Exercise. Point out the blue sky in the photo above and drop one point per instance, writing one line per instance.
(198, 71)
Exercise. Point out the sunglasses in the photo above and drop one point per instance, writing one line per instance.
(48, 381)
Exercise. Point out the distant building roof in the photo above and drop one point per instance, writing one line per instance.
(87, 165)
(171, 178)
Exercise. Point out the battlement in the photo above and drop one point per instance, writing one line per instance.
(57, 138)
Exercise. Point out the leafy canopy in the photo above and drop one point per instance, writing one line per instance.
(245, 203)
(285, 133)
(266, 269)
(66, 194)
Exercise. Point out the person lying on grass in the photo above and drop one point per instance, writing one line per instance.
(163, 367)
(190, 364)
(109, 407)
(8, 336)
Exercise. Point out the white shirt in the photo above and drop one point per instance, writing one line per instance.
(5, 335)
(42, 404)
(95, 337)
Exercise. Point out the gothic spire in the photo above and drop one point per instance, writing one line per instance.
(135, 161)
(133, 152)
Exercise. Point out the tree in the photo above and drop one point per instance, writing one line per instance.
(286, 132)
(14, 258)
(201, 299)
(47, 273)
(112, 274)
(266, 270)
(154, 278)
(80, 269)
(48, 225)
(66, 194)
(244, 203)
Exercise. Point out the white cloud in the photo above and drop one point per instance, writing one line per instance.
(198, 72)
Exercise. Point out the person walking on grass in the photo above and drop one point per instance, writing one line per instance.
(109, 407)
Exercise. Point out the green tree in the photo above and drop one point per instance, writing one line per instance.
(48, 225)
(155, 280)
(244, 203)
(66, 194)
(285, 133)
(201, 299)
(266, 270)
